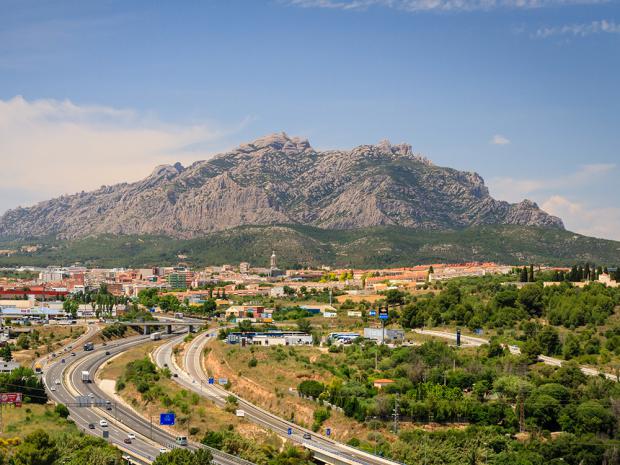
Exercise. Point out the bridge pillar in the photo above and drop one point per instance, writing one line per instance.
(169, 329)
(145, 330)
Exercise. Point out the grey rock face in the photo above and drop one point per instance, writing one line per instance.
(280, 179)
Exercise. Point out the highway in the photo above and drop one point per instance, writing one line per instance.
(477, 341)
(122, 420)
(193, 377)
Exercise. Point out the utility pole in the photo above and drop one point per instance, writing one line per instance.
(521, 412)
(396, 414)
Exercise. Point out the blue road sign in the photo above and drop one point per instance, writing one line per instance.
(372, 313)
(211, 380)
(383, 313)
(166, 419)
(290, 431)
(328, 431)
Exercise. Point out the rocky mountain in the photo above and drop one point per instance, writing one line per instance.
(280, 180)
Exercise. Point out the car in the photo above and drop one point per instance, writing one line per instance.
(62, 361)
(107, 352)
(103, 423)
(175, 375)
(73, 354)
(91, 395)
(131, 436)
(127, 441)
(307, 436)
(91, 426)
(163, 450)
(57, 382)
(53, 388)
(108, 408)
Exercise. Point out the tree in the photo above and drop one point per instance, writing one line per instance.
(530, 276)
(37, 449)
(523, 276)
(549, 341)
(531, 299)
(304, 325)
(61, 410)
(184, 457)
(5, 353)
(71, 306)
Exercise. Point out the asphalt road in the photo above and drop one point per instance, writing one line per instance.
(477, 341)
(121, 419)
(193, 377)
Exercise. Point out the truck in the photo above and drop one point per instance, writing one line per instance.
(155, 336)
(37, 368)
(178, 315)
(85, 377)
(89, 346)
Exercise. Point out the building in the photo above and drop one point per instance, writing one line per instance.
(391, 335)
(381, 383)
(244, 267)
(7, 367)
(270, 338)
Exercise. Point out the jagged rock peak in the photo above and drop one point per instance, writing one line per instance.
(167, 170)
(279, 141)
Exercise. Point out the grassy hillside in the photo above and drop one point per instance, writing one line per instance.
(381, 246)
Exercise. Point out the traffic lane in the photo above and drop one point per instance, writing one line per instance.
(193, 361)
(140, 424)
(84, 416)
(254, 413)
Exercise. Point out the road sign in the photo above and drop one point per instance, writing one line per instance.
(372, 313)
(211, 380)
(458, 337)
(83, 401)
(383, 313)
(328, 431)
(106, 434)
(222, 381)
(290, 431)
(14, 398)
(166, 419)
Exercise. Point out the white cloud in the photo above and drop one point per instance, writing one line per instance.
(579, 30)
(435, 5)
(51, 147)
(498, 139)
(585, 219)
(514, 189)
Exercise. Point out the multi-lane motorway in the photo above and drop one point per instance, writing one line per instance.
(192, 376)
(64, 385)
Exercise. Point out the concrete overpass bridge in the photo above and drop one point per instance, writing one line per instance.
(147, 326)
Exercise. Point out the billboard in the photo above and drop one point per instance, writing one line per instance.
(14, 398)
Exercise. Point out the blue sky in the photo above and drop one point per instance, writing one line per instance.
(525, 92)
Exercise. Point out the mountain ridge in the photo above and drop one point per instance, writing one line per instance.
(279, 179)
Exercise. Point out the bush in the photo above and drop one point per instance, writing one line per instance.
(253, 362)
(61, 410)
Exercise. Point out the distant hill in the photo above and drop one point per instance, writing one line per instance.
(281, 180)
(294, 244)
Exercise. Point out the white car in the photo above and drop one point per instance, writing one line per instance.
(103, 423)
(53, 388)
(57, 382)
(131, 436)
